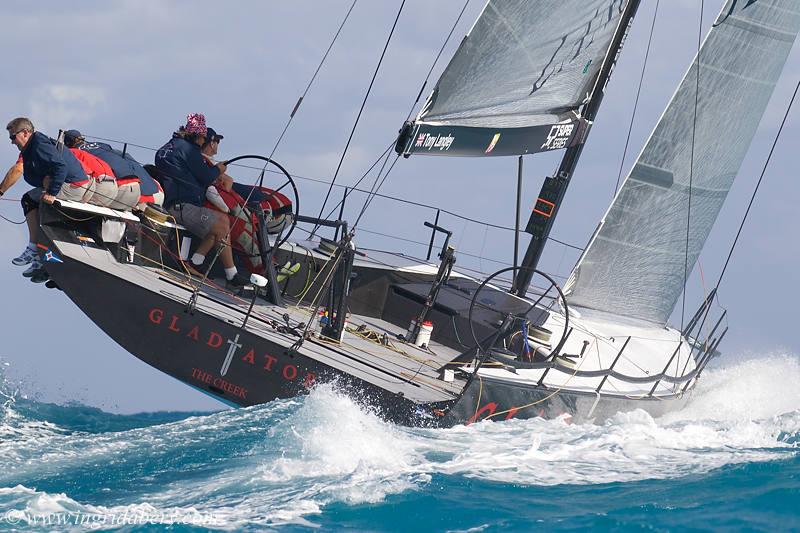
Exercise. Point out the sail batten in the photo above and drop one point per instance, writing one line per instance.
(635, 263)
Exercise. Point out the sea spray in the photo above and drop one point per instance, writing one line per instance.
(296, 461)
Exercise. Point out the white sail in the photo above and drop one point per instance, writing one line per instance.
(635, 263)
(524, 63)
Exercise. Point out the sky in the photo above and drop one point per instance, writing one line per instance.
(132, 70)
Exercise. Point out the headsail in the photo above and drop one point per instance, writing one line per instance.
(516, 82)
(634, 264)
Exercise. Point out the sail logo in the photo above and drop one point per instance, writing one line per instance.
(431, 142)
(493, 143)
(558, 137)
(51, 257)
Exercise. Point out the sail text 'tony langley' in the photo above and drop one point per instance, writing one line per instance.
(429, 142)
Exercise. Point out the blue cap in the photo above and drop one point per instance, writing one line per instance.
(72, 135)
(212, 135)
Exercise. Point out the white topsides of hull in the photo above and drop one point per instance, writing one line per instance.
(600, 340)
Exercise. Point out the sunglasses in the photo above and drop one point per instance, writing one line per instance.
(13, 136)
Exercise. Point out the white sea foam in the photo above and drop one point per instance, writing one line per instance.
(755, 388)
(40, 510)
(307, 453)
(737, 415)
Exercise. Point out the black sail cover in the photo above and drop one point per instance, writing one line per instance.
(516, 82)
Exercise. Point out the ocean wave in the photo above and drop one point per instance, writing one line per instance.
(285, 461)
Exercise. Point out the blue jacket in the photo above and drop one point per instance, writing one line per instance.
(123, 166)
(41, 158)
(186, 174)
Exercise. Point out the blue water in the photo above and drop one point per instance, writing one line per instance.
(727, 461)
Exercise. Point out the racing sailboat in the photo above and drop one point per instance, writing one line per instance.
(420, 342)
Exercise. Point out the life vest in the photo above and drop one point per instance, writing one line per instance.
(276, 205)
(126, 168)
(93, 166)
(244, 221)
(151, 198)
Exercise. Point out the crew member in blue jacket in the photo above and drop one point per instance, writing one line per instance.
(129, 171)
(54, 174)
(185, 177)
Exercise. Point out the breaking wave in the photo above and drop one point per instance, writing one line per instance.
(287, 461)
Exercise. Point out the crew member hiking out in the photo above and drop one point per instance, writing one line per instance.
(54, 174)
(135, 185)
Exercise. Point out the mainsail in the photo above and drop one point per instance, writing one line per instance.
(516, 82)
(635, 263)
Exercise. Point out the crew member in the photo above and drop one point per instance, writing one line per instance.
(135, 184)
(54, 174)
(186, 178)
(105, 183)
(209, 150)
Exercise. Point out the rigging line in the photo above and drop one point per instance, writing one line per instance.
(314, 77)
(445, 211)
(360, 111)
(13, 221)
(750, 205)
(369, 199)
(483, 247)
(691, 165)
(438, 56)
(425, 244)
(428, 206)
(373, 189)
(366, 173)
(404, 200)
(150, 148)
(636, 102)
(758, 184)
(378, 195)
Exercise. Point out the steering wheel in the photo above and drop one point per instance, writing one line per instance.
(523, 317)
(292, 222)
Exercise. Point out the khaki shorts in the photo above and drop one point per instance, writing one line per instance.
(198, 220)
(127, 196)
(68, 192)
(105, 191)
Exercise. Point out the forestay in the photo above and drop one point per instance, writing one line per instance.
(518, 78)
(635, 263)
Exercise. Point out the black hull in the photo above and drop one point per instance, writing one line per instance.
(212, 353)
(193, 347)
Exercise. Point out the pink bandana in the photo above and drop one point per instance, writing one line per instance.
(196, 123)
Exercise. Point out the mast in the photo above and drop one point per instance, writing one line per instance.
(554, 188)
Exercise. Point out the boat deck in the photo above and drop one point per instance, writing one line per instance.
(414, 372)
(595, 344)
(398, 366)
